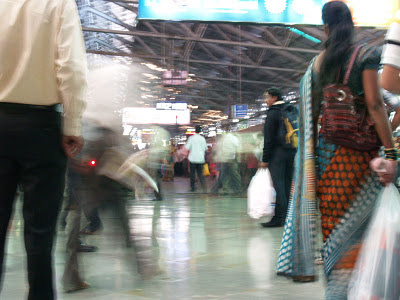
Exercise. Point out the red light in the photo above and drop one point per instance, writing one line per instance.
(92, 162)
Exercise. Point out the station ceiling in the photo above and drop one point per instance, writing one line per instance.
(228, 63)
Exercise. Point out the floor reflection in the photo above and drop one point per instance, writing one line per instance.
(203, 247)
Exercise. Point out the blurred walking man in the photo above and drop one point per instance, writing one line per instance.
(197, 146)
(42, 67)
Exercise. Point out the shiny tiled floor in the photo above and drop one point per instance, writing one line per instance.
(206, 246)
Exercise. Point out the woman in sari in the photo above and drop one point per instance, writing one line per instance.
(339, 177)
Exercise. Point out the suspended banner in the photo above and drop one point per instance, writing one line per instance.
(366, 12)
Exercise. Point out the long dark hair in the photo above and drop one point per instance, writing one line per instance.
(337, 16)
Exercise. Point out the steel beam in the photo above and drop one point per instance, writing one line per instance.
(252, 38)
(201, 62)
(203, 40)
(249, 81)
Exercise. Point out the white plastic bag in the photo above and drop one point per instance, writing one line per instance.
(377, 272)
(261, 195)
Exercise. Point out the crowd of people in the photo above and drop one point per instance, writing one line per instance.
(39, 144)
(229, 161)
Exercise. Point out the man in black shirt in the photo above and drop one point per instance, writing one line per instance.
(277, 157)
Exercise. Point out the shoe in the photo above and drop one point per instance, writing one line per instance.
(90, 231)
(305, 278)
(192, 190)
(87, 248)
(81, 286)
(272, 223)
(158, 199)
(150, 274)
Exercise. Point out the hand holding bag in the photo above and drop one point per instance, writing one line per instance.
(261, 195)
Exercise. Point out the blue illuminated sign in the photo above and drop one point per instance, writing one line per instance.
(240, 111)
(255, 11)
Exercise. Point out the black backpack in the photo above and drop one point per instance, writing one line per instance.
(289, 126)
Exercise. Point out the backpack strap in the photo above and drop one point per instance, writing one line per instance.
(351, 64)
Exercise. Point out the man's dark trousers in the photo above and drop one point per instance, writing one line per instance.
(281, 169)
(199, 169)
(31, 155)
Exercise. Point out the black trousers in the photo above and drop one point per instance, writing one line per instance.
(281, 169)
(196, 168)
(31, 155)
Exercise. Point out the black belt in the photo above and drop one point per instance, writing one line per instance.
(30, 107)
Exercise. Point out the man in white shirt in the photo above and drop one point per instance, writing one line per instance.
(42, 66)
(197, 146)
(390, 78)
(229, 178)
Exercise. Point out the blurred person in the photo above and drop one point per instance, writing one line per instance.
(249, 162)
(157, 156)
(43, 66)
(169, 163)
(86, 194)
(71, 204)
(390, 79)
(185, 161)
(259, 146)
(72, 280)
(338, 176)
(197, 147)
(392, 102)
(208, 155)
(213, 161)
(252, 163)
(390, 60)
(207, 165)
(277, 157)
(99, 184)
(229, 178)
(100, 139)
(178, 160)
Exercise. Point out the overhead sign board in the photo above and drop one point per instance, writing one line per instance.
(151, 115)
(365, 12)
(239, 111)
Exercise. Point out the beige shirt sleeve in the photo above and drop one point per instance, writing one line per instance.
(71, 68)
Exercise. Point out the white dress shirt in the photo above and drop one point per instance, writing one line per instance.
(42, 57)
(197, 146)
